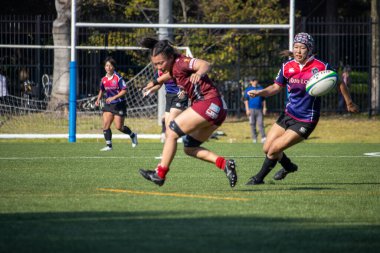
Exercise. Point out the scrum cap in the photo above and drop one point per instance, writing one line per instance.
(305, 39)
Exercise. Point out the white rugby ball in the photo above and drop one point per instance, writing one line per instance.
(321, 83)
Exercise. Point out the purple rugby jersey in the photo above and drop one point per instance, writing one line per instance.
(301, 106)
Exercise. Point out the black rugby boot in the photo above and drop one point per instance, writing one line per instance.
(230, 170)
(151, 175)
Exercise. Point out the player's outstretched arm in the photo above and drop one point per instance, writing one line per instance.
(267, 92)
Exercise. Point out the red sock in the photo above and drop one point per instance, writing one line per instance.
(161, 171)
(220, 162)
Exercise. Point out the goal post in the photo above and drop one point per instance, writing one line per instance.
(75, 24)
(23, 116)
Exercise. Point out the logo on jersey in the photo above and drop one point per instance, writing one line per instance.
(213, 111)
(291, 70)
(178, 105)
(303, 130)
(314, 71)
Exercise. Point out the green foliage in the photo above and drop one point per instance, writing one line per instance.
(221, 47)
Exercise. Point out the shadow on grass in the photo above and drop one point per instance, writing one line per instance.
(173, 232)
(334, 183)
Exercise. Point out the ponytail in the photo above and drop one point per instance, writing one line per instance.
(148, 43)
(159, 47)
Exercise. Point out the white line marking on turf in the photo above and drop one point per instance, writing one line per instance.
(372, 154)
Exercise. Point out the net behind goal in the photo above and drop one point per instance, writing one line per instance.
(33, 118)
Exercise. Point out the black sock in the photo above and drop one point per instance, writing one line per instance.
(286, 163)
(268, 165)
(128, 131)
(108, 136)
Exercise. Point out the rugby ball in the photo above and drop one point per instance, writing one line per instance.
(321, 83)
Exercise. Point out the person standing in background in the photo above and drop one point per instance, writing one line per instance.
(3, 86)
(347, 80)
(255, 108)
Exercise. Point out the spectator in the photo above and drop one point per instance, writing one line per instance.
(255, 108)
(3, 86)
(347, 80)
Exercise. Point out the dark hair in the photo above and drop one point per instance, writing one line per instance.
(159, 47)
(347, 68)
(110, 60)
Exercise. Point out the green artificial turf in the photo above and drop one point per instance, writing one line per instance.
(69, 197)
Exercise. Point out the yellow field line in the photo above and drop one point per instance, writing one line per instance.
(180, 195)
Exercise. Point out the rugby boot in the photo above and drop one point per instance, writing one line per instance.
(134, 140)
(230, 170)
(254, 181)
(281, 174)
(106, 148)
(151, 175)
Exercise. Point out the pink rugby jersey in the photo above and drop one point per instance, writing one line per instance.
(112, 86)
(301, 106)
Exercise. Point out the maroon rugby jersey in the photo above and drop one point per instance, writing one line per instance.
(181, 72)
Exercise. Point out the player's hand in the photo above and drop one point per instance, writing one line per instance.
(252, 93)
(264, 111)
(248, 113)
(97, 103)
(146, 92)
(149, 85)
(109, 100)
(194, 78)
(352, 107)
(181, 94)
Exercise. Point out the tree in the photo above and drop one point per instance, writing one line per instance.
(219, 46)
(61, 37)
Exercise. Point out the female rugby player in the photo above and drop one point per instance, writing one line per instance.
(302, 110)
(206, 113)
(113, 85)
(176, 100)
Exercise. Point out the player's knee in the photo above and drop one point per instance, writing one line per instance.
(266, 146)
(175, 128)
(190, 151)
(120, 128)
(265, 149)
(274, 150)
